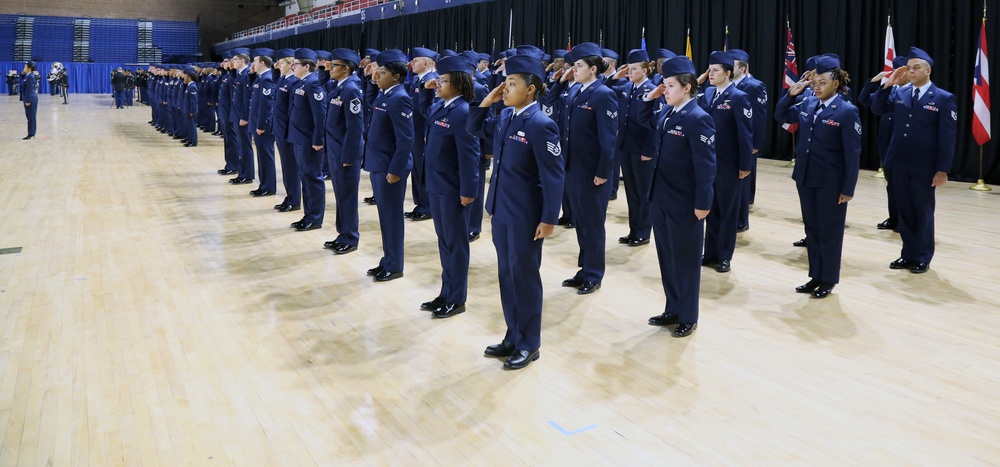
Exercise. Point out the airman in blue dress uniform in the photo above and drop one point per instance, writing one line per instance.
(283, 90)
(422, 63)
(239, 115)
(865, 97)
(29, 97)
(306, 132)
(260, 121)
(757, 92)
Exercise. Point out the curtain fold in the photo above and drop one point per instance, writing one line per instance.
(84, 78)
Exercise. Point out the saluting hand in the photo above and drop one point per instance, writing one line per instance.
(704, 76)
(701, 214)
(543, 230)
(622, 71)
(879, 76)
(370, 69)
(898, 76)
(568, 75)
(364, 63)
(798, 87)
(656, 92)
(430, 84)
(493, 97)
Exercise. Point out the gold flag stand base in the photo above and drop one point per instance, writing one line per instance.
(790, 163)
(980, 186)
(879, 174)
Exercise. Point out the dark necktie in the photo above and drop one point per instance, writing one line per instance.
(818, 110)
(916, 97)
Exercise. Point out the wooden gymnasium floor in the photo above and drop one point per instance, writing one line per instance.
(159, 316)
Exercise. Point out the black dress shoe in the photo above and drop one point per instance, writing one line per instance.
(900, 264)
(919, 267)
(29, 137)
(374, 271)
(225, 172)
(742, 228)
(241, 181)
(189, 145)
(501, 350)
(184, 141)
(808, 286)
(433, 304)
(823, 290)
(370, 200)
(708, 261)
(261, 193)
(331, 244)
(473, 236)
(573, 282)
(613, 197)
(408, 214)
(256, 192)
(722, 266)
(684, 329)
(297, 224)
(638, 241)
(564, 220)
(447, 310)
(288, 208)
(343, 249)
(663, 319)
(625, 240)
(520, 359)
(887, 224)
(419, 217)
(588, 288)
(799, 242)
(386, 276)
(307, 226)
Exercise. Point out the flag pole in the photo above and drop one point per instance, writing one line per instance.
(881, 171)
(791, 163)
(980, 184)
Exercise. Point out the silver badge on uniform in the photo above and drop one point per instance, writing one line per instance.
(612, 114)
(748, 112)
(554, 148)
(318, 95)
(267, 91)
(954, 115)
(355, 105)
(857, 127)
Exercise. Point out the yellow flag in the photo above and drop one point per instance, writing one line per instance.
(687, 51)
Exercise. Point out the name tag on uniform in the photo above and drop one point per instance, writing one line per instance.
(831, 122)
(442, 123)
(255, 86)
(300, 91)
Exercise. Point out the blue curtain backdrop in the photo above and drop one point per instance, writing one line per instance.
(84, 78)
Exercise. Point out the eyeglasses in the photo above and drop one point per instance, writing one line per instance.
(295, 64)
(443, 81)
(338, 64)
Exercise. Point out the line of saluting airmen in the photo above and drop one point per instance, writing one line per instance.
(557, 136)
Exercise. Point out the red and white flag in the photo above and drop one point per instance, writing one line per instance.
(791, 73)
(981, 92)
(890, 51)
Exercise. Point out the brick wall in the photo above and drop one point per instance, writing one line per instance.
(219, 18)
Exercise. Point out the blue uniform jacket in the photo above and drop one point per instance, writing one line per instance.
(29, 91)
(226, 92)
(307, 112)
(282, 104)
(733, 117)
(452, 153)
(923, 138)
(757, 93)
(685, 157)
(529, 168)
(191, 98)
(390, 134)
(345, 121)
(241, 97)
(262, 102)
(829, 149)
(865, 97)
(590, 128)
(633, 137)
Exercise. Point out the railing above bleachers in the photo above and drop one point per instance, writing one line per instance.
(320, 14)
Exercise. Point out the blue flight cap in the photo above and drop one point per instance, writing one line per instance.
(241, 50)
(530, 51)
(284, 53)
(454, 65)
(322, 55)
(546, 58)
(227, 55)
(676, 66)
(583, 49)
(448, 53)
(834, 57)
(663, 53)
(471, 56)
(305, 54)
(371, 53)
(485, 57)
(719, 57)
(918, 53)
(189, 70)
(346, 55)
(610, 54)
(826, 63)
(811, 62)
(262, 52)
(559, 53)
(637, 56)
(390, 55)
(511, 52)
(519, 64)
(899, 61)
(739, 54)
(422, 52)
(503, 54)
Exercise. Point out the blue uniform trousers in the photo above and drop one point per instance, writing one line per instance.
(389, 201)
(346, 181)
(476, 213)
(289, 172)
(589, 204)
(265, 161)
(915, 202)
(720, 225)
(679, 237)
(825, 221)
(310, 163)
(451, 223)
(232, 146)
(638, 177)
(245, 151)
(519, 257)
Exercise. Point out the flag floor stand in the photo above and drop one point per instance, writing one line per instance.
(879, 174)
(980, 185)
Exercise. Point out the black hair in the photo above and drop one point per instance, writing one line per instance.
(351, 67)
(31, 66)
(842, 78)
(688, 79)
(396, 68)
(532, 80)
(594, 60)
(463, 83)
(267, 61)
(727, 67)
(308, 63)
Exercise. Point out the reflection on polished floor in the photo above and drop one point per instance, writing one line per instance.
(159, 316)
